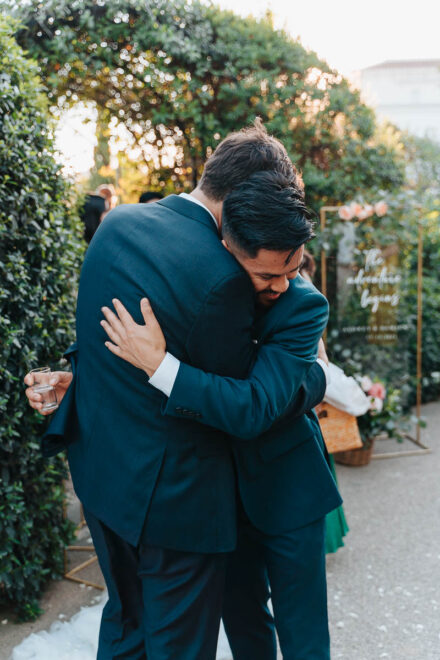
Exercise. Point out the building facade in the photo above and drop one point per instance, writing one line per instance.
(406, 92)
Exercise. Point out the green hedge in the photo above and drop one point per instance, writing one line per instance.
(40, 256)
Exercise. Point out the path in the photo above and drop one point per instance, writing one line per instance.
(384, 586)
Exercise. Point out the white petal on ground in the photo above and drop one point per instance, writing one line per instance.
(77, 639)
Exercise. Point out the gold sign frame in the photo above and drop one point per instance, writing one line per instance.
(423, 449)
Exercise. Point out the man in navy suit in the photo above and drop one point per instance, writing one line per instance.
(159, 492)
(284, 483)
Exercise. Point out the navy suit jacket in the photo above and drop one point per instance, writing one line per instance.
(144, 474)
(282, 467)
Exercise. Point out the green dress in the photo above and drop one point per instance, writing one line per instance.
(335, 523)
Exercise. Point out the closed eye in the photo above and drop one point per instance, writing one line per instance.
(272, 276)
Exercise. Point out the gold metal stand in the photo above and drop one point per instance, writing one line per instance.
(422, 449)
(72, 574)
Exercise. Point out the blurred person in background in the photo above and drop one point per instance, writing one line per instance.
(92, 213)
(96, 207)
(107, 190)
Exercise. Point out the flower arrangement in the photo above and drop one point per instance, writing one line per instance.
(356, 210)
(385, 415)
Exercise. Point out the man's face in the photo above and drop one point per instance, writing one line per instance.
(269, 272)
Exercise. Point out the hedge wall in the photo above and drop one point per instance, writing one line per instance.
(40, 256)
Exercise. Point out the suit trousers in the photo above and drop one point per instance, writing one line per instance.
(163, 604)
(289, 569)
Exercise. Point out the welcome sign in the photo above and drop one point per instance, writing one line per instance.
(375, 326)
(371, 282)
(364, 275)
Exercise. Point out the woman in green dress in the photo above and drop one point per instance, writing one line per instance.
(335, 523)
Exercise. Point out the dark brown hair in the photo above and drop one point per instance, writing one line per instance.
(241, 154)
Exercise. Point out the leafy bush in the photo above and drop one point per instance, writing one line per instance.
(39, 259)
(187, 73)
(385, 416)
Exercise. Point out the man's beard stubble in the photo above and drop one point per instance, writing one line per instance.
(264, 301)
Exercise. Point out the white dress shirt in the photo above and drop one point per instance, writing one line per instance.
(165, 375)
(191, 198)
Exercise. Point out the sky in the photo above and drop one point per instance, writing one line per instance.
(354, 34)
(348, 34)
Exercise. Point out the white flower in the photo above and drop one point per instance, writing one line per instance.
(366, 383)
(376, 404)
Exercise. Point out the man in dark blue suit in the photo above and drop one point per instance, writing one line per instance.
(284, 482)
(159, 492)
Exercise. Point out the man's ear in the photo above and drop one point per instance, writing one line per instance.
(225, 244)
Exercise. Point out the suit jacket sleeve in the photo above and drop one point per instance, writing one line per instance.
(60, 431)
(220, 340)
(310, 393)
(247, 408)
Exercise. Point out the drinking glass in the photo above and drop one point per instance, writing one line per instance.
(42, 385)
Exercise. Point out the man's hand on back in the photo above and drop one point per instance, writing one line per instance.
(144, 346)
(60, 381)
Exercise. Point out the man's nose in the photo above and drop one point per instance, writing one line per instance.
(281, 285)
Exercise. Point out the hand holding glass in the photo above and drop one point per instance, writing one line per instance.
(42, 377)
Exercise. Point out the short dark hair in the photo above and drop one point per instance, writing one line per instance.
(94, 207)
(241, 154)
(266, 212)
(148, 196)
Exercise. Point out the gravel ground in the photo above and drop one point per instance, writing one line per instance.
(384, 586)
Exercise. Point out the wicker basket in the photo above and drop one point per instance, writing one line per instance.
(355, 457)
(339, 429)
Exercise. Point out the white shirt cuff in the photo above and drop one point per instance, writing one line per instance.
(325, 369)
(165, 375)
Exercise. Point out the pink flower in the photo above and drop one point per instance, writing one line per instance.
(345, 213)
(356, 208)
(381, 208)
(377, 390)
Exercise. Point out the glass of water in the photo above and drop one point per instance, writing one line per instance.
(42, 385)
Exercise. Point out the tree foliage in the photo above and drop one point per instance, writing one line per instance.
(39, 260)
(181, 75)
(422, 157)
